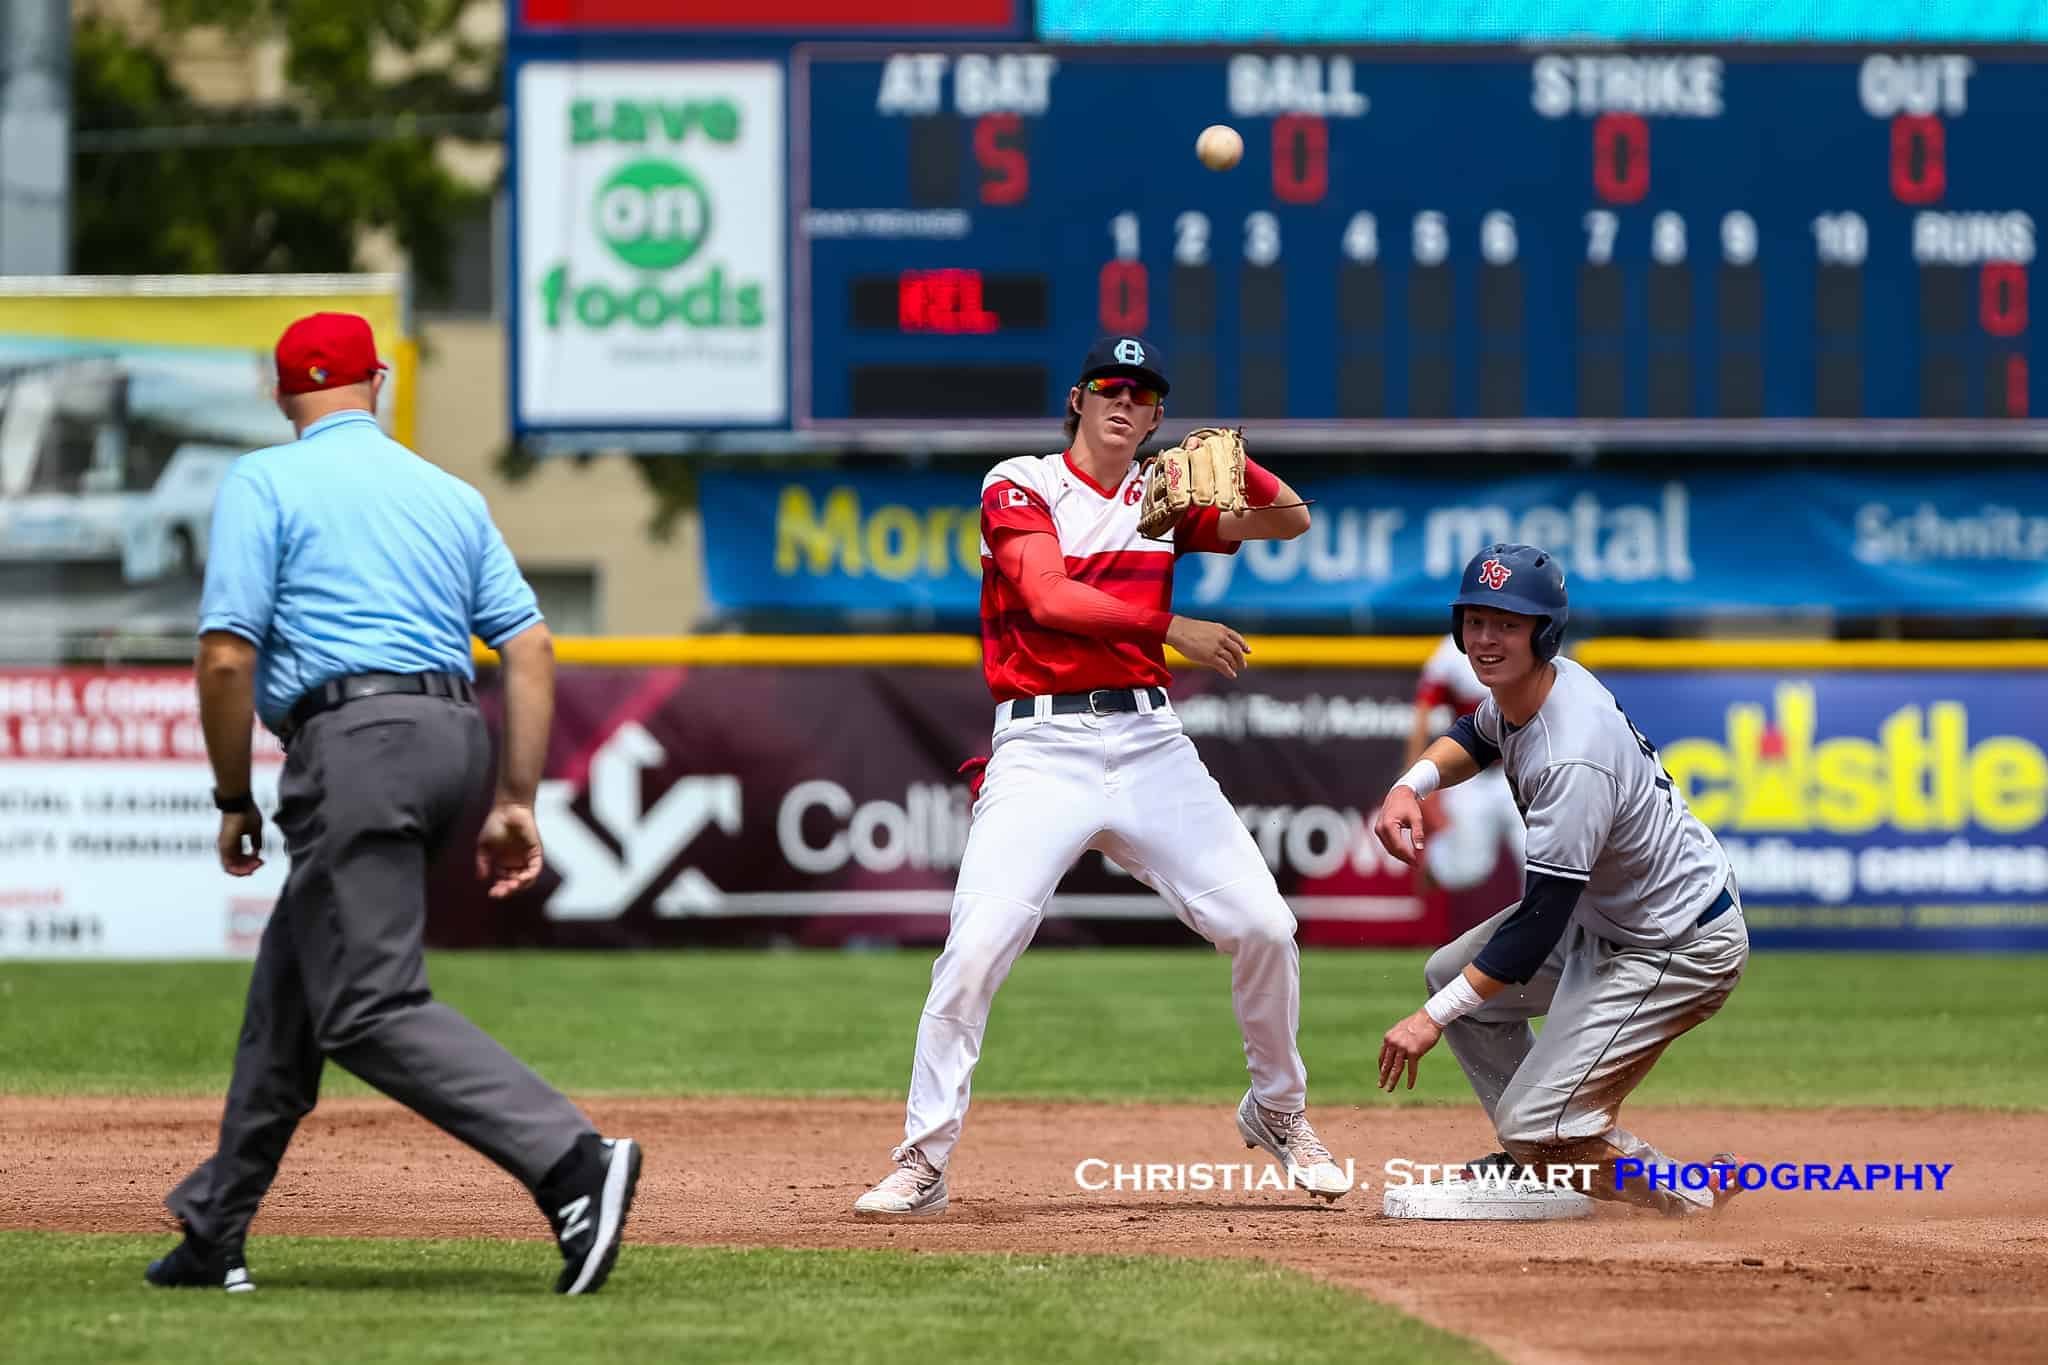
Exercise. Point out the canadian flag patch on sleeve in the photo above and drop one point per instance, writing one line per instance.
(1006, 506)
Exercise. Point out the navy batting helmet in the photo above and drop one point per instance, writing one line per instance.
(1517, 578)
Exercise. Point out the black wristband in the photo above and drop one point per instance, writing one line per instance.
(233, 805)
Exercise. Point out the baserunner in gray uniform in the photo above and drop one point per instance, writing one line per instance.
(1629, 931)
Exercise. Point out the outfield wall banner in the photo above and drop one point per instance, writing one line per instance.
(1865, 809)
(107, 824)
(682, 805)
(1861, 809)
(821, 805)
(1390, 548)
(649, 245)
(123, 401)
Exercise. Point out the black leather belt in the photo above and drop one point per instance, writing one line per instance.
(1101, 702)
(337, 692)
(1723, 903)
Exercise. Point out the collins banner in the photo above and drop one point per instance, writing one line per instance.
(1861, 810)
(821, 806)
(1389, 549)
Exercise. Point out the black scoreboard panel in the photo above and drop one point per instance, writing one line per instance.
(1713, 237)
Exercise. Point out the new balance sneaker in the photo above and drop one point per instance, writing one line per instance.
(1727, 1183)
(198, 1264)
(1289, 1140)
(915, 1189)
(587, 1208)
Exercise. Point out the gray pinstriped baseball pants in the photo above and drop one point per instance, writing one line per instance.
(1608, 1014)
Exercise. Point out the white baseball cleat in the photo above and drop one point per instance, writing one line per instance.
(915, 1189)
(1289, 1140)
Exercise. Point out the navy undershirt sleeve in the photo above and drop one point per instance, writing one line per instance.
(1466, 732)
(1518, 948)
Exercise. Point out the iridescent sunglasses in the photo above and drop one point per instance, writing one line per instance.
(1143, 395)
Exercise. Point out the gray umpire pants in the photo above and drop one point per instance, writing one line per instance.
(1608, 1012)
(370, 792)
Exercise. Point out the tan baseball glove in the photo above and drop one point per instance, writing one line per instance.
(1205, 470)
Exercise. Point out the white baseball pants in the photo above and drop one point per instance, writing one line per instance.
(1132, 786)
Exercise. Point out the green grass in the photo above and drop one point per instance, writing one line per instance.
(1802, 1030)
(363, 1300)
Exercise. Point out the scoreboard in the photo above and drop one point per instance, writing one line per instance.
(1713, 244)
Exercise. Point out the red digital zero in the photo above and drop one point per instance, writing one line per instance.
(1301, 159)
(1621, 158)
(2002, 298)
(1124, 302)
(1919, 159)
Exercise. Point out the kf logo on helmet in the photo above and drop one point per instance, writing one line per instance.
(1130, 352)
(1494, 574)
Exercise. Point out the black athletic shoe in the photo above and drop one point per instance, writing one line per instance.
(587, 1209)
(195, 1264)
(1486, 1167)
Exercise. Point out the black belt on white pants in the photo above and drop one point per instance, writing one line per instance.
(1102, 701)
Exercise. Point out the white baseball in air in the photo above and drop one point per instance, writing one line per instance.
(1219, 147)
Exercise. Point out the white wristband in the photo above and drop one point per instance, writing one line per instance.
(1422, 779)
(1453, 1002)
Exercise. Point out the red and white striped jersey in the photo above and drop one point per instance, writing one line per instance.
(1097, 529)
(1448, 678)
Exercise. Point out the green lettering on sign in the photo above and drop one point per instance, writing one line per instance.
(653, 214)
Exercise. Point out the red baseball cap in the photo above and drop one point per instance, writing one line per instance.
(326, 351)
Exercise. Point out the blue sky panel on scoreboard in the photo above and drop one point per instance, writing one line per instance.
(1422, 234)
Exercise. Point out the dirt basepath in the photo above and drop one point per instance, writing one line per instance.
(1961, 1274)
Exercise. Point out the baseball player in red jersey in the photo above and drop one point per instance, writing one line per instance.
(1088, 753)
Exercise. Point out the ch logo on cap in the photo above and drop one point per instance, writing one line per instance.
(1494, 574)
(1130, 352)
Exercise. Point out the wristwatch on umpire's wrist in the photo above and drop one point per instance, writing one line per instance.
(233, 805)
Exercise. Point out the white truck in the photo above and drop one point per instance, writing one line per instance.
(83, 480)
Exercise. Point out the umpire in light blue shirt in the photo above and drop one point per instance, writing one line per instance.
(345, 578)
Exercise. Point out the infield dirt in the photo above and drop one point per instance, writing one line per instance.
(1779, 1276)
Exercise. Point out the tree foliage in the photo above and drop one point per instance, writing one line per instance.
(165, 184)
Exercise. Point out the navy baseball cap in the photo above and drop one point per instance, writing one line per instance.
(1517, 578)
(1132, 357)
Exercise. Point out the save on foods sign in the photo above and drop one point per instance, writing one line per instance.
(650, 247)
